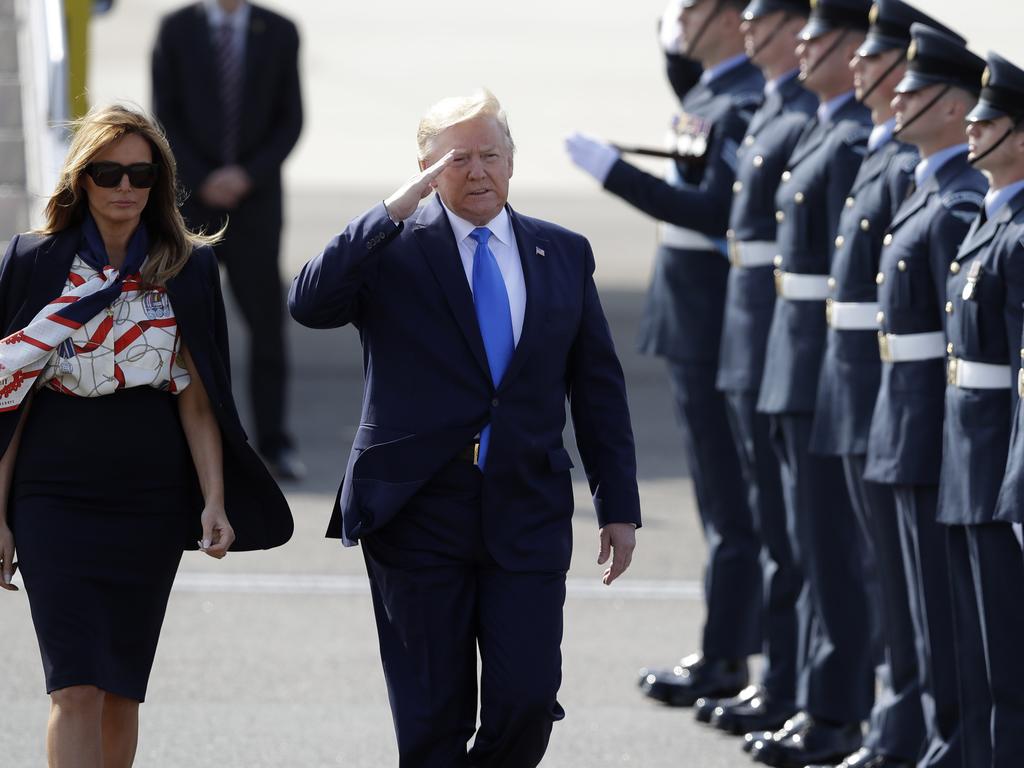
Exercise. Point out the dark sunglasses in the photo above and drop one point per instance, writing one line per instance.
(140, 175)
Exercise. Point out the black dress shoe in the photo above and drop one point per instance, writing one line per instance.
(758, 713)
(752, 740)
(694, 677)
(868, 758)
(813, 742)
(705, 707)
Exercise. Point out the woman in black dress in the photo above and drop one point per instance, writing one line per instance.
(120, 441)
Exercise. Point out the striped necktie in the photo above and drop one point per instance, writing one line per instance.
(230, 68)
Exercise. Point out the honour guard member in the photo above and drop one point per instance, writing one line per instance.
(849, 382)
(905, 439)
(986, 289)
(835, 689)
(769, 28)
(683, 323)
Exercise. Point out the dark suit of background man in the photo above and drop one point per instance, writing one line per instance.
(476, 322)
(226, 88)
(683, 323)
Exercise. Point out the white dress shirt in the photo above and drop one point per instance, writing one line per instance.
(239, 21)
(503, 245)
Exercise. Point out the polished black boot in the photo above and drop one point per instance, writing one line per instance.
(868, 758)
(705, 707)
(813, 742)
(758, 713)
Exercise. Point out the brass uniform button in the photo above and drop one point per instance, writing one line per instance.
(849, 202)
(777, 261)
(949, 307)
(798, 198)
(832, 283)
(880, 318)
(786, 175)
(839, 241)
(865, 225)
(954, 267)
(737, 187)
(949, 348)
(880, 278)
(780, 216)
(887, 240)
(758, 161)
(901, 265)
(1022, 354)
(749, 141)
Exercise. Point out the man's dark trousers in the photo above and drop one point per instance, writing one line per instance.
(437, 597)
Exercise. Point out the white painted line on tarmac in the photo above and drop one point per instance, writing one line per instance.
(332, 584)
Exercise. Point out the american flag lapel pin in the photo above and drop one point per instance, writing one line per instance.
(540, 251)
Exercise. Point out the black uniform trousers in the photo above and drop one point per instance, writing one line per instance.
(438, 598)
(986, 570)
(897, 724)
(836, 661)
(928, 587)
(732, 577)
(782, 580)
(249, 253)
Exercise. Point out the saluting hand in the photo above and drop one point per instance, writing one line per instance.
(218, 535)
(617, 540)
(402, 204)
(7, 564)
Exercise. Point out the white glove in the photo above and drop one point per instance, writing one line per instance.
(592, 155)
(670, 28)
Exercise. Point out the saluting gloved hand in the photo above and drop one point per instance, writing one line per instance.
(592, 155)
(670, 27)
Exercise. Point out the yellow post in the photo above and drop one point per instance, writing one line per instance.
(76, 16)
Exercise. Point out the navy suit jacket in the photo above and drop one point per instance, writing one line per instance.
(187, 101)
(428, 388)
(34, 272)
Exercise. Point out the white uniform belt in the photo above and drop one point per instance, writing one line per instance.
(967, 374)
(752, 253)
(852, 315)
(907, 347)
(797, 287)
(688, 239)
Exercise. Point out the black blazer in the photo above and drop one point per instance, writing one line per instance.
(33, 273)
(186, 100)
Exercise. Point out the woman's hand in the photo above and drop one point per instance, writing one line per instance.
(218, 535)
(7, 564)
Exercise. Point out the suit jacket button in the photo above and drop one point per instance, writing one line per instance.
(737, 187)
(865, 225)
(954, 267)
(758, 161)
(880, 278)
(786, 175)
(901, 265)
(887, 240)
(949, 307)
(798, 198)
(849, 202)
(839, 241)
(494, 403)
(780, 216)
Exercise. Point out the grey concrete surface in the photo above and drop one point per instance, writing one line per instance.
(270, 659)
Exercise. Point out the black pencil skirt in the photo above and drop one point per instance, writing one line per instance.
(101, 507)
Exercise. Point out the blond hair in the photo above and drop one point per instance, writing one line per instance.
(170, 241)
(458, 109)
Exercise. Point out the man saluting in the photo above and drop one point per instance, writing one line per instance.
(476, 322)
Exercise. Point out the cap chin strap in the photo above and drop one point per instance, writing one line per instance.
(994, 147)
(945, 89)
(771, 35)
(825, 57)
(881, 78)
(691, 44)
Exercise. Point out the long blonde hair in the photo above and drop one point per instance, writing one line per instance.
(170, 241)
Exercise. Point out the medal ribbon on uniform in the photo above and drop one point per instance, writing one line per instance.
(25, 354)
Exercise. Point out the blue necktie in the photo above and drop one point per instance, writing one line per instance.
(494, 317)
